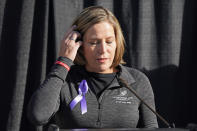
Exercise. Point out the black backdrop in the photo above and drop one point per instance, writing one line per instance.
(160, 40)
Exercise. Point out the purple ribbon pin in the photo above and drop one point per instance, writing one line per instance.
(83, 89)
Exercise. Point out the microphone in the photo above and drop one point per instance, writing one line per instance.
(124, 83)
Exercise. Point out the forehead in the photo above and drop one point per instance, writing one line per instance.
(100, 31)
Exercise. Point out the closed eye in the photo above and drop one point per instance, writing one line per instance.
(93, 43)
(109, 42)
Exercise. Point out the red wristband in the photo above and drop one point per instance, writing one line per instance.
(63, 64)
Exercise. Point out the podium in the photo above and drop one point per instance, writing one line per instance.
(126, 129)
(56, 128)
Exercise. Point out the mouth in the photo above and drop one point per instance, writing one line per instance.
(101, 60)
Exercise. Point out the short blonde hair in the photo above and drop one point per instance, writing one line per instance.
(93, 15)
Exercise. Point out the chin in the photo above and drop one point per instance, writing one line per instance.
(104, 69)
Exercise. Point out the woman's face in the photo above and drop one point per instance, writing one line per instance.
(99, 48)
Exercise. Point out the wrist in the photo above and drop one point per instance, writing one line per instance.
(64, 62)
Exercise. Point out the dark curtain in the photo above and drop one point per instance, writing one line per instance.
(160, 40)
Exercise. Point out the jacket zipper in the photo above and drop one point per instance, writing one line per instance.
(100, 109)
(98, 123)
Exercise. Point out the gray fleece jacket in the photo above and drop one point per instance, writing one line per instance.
(117, 107)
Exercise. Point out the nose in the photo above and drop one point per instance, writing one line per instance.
(102, 47)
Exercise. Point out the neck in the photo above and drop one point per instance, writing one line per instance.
(108, 71)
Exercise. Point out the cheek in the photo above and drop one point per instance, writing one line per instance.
(88, 53)
(113, 50)
(85, 53)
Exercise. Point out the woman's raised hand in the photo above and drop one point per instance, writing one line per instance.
(69, 46)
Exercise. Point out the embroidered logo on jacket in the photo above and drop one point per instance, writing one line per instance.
(122, 98)
(123, 93)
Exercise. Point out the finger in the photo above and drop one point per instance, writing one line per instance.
(70, 37)
(74, 36)
(70, 30)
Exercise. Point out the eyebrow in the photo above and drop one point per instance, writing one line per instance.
(110, 37)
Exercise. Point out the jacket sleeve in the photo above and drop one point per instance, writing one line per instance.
(44, 102)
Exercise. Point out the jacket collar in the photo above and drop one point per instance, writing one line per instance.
(126, 75)
(123, 74)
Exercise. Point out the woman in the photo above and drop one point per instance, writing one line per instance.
(93, 93)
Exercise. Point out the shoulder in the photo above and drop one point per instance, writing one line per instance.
(135, 73)
(136, 78)
(141, 82)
